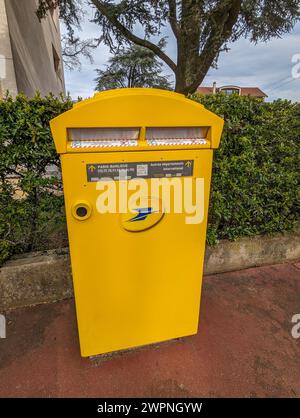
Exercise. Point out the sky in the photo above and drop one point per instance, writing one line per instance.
(265, 65)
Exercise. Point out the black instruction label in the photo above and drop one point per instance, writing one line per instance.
(148, 169)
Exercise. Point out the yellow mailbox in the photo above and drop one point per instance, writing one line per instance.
(137, 271)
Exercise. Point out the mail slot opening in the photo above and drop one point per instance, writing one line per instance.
(183, 135)
(103, 137)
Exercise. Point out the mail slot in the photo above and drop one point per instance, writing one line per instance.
(136, 252)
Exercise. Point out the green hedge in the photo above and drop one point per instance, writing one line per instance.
(255, 187)
(31, 207)
(255, 174)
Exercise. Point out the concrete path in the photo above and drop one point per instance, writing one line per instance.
(244, 347)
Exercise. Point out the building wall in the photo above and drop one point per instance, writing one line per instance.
(7, 71)
(34, 45)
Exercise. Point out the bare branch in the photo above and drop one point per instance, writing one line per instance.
(74, 48)
(131, 36)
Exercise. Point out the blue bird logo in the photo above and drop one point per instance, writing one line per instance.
(142, 214)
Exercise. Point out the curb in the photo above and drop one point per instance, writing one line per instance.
(43, 277)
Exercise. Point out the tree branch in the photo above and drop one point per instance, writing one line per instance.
(131, 37)
(173, 17)
(225, 21)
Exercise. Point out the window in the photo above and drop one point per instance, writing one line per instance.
(56, 60)
(230, 90)
(56, 63)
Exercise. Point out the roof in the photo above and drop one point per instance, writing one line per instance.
(245, 91)
(252, 91)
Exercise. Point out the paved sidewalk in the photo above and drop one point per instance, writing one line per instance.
(243, 348)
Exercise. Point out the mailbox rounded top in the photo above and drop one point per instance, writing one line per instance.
(135, 108)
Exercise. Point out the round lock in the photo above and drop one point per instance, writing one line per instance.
(81, 210)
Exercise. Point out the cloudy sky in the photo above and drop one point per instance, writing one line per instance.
(266, 65)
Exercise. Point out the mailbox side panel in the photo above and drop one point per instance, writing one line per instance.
(133, 288)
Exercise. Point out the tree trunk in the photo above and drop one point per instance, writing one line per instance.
(192, 66)
(182, 87)
(188, 45)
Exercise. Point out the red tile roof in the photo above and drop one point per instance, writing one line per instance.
(205, 90)
(252, 91)
(245, 91)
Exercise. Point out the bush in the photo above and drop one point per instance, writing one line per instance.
(256, 169)
(255, 174)
(31, 202)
